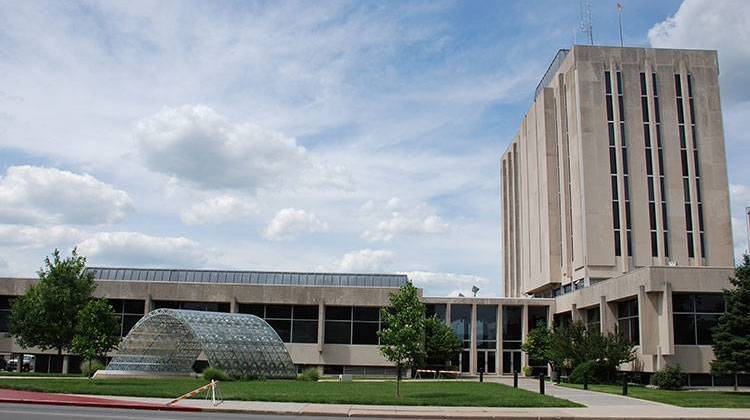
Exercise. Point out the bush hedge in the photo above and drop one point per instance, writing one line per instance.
(216, 374)
(669, 377)
(89, 367)
(310, 374)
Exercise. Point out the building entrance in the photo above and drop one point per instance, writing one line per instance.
(511, 361)
(486, 361)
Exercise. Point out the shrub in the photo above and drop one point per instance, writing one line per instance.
(585, 369)
(669, 377)
(89, 367)
(216, 374)
(310, 374)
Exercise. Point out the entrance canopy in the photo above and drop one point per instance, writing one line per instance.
(168, 341)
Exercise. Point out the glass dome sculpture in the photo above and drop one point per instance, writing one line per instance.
(168, 341)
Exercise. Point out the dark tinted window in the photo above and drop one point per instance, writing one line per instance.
(305, 332)
(278, 311)
(305, 312)
(338, 332)
(339, 312)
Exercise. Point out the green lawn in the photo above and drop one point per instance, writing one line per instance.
(684, 398)
(378, 393)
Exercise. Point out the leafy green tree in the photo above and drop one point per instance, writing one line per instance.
(402, 339)
(537, 345)
(97, 331)
(46, 315)
(441, 343)
(614, 349)
(732, 334)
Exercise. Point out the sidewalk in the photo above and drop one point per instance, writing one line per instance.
(599, 408)
(635, 410)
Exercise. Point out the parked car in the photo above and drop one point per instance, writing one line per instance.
(28, 364)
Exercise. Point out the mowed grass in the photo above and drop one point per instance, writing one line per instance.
(683, 398)
(374, 393)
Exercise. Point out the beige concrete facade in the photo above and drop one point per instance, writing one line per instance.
(353, 357)
(563, 198)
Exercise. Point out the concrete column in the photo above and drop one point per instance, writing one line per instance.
(66, 363)
(149, 304)
(499, 346)
(524, 333)
(608, 315)
(448, 314)
(473, 346)
(648, 321)
(575, 314)
(321, 325)
(234, 307)
(666, 322)
(19, 365)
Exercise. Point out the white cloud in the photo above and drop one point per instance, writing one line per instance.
(289, 223)
(23, 236)
(450, 284)
(709, 24)
(141, 250)
(196, 144)
(31, 194)
(221, 209)
(414, 220)
(740, 198)
(364, 261)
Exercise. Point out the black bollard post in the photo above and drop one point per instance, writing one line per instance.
(515, 379)
(624, 383)
(481, 375)
(585, 381)
(541, 383)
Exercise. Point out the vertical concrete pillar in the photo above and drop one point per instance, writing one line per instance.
(234, 307)
(19, 365)
(65, 364)
(448, 313)
(666, 322)
(524, 332)
(609, 315)
(148, 305)
(321, 325)
(499, 346)
(575, 314)
(473, 346)
(648, 321)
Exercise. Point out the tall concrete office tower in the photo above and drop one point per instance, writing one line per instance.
(619, 164)
(615, 194)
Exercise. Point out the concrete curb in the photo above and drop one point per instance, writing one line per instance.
(114, 404)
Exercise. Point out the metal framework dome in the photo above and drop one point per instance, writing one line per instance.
(169, 341)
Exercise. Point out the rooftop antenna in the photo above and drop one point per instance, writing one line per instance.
(586, 20)
(619, 18)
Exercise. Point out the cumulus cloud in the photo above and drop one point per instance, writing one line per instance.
(448, 284)
(289, 223)
(709, 24)
(138, 249)
(397, 218)
(23, 236)
(224, 208)
(37, 195)
(364, 261)
(740, 197)
(196, 144)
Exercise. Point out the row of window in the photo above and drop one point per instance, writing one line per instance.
(618, 123)
(655, 180)
(695, 316)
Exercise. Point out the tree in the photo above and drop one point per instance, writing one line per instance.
(402, 339)
(46, 315)
(537, 345)
(97, 330)
(732, 334)
(441, 343)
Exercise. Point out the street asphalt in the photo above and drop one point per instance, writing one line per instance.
(56, 412)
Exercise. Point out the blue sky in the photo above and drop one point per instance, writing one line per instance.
(343, 136)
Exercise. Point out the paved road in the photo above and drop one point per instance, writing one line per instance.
(52, 412)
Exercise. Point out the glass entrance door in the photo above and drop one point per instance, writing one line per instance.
(511, 361)
(486, 361)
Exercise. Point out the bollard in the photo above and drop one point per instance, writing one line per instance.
(481, 376)
(541, 383)
(624, 383)
(585, 381)
(515, 379)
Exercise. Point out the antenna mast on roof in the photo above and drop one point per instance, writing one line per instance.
(586, 20)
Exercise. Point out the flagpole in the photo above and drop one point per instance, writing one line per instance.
(619, 17)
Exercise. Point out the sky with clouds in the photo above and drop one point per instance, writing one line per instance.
(341, 136)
